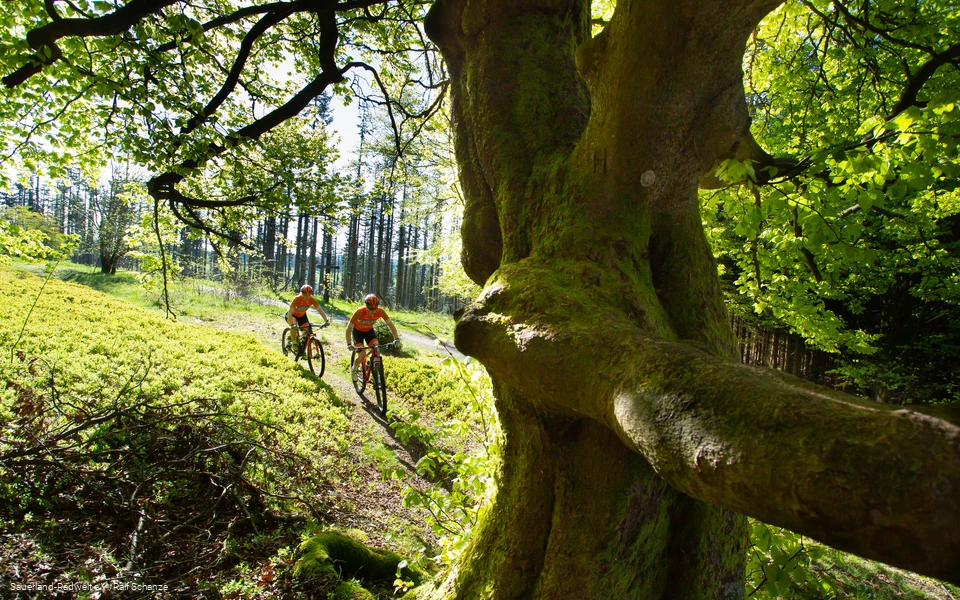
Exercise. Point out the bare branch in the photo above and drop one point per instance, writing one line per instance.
(386, 95)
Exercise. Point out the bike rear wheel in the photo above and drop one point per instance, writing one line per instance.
(380, 387)
(315, 359)
(358, 383)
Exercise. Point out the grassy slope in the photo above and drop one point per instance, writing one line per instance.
(94, 345)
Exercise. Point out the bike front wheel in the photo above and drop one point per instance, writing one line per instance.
(315, 359)
(285, 346)
(358, 378)
(380, 387)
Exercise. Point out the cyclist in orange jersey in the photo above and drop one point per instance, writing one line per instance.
(297, 313)
(360, 328)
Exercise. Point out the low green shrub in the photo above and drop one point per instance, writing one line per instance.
(177, 446)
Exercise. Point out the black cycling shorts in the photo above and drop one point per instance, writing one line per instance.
(302, 321)
(364, 336)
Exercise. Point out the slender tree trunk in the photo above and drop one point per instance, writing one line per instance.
(369, 262)
(283, 251)
(312, 268)
(388, 277)
(401, 255)
(380, 262)
(270, 247)
(328, 253)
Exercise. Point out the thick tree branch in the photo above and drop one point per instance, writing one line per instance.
(47, 35)
(880, 481)
(919, 78)
(877, 480)
(110, 24)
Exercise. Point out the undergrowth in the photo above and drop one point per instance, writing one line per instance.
(134, 448)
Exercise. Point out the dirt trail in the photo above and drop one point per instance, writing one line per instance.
(373, 503)
(363, 499)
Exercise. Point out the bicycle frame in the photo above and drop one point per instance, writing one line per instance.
(372, 356)
(372, 368)
(307, 340)
(303, 338)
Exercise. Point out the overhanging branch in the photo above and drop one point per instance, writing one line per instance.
(265, 23)
(880, 481)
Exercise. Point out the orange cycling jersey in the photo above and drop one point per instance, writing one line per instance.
(301, 304)
(363, 319)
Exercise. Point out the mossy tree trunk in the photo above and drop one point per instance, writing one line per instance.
(604, 330)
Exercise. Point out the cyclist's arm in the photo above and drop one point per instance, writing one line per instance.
(316, 304)
(393, 328)
(350, 328)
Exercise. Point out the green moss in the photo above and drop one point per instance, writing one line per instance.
(351, 590)
(336, 554)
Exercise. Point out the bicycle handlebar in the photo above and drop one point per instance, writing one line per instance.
(380, 346)
(327, 324)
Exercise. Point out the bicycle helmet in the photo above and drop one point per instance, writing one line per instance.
(306, 288)
(372, 302)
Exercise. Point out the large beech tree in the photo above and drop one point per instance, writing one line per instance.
(634, 443)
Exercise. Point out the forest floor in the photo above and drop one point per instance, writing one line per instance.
(360, 497)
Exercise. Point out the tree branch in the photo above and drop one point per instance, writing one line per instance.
(873, 479)
(236, 16)
(880, 481)
(386, 96)
(918, 79)
(268, 21)
(46, 36)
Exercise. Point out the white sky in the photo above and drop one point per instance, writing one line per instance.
(346, 120)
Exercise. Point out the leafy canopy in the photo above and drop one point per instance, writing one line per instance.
(851, 237)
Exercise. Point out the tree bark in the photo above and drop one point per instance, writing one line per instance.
(603, 326)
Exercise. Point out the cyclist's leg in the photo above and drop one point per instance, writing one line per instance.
(358, 338)
(291, 322)
(361, 355)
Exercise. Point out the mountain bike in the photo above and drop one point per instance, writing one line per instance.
(308, 347)
(372, 372)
